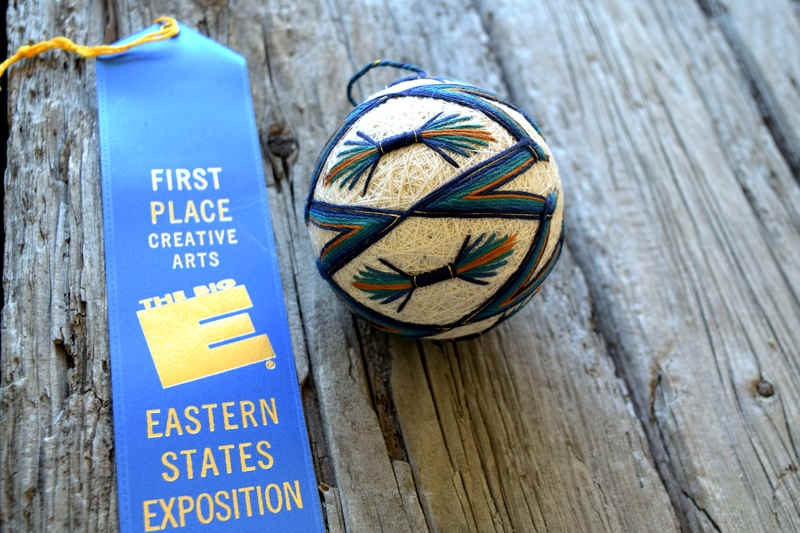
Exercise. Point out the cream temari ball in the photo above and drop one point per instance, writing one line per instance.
(436, 209)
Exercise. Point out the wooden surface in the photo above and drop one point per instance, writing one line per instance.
(654, 383)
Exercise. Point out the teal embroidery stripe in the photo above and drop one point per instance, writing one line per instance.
(526, 279)
(473, 191)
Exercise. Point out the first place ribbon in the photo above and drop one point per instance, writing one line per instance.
(208, 421)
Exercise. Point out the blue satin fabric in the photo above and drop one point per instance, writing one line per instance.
(185, 103)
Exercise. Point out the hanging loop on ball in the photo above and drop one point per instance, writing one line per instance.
(380, 63)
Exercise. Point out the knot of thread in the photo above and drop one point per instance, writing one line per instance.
(401, 140)
(169, 28)
(432, 277)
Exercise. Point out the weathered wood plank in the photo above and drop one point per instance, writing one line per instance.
(688, 235)
(531, 424)
(527, 428)
(57, 469)
(764, 37)
(480, 488)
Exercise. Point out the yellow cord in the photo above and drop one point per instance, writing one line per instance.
(169, 28)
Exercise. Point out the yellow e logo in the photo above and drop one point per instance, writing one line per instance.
(179, 336)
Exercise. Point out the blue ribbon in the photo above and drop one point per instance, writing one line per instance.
(198, 329)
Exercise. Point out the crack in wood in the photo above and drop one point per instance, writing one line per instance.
(376, 357)
(691, 499)
(772, 112)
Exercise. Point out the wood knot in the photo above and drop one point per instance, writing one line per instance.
(280, 142)
(765, 389)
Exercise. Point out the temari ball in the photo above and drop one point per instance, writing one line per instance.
(436, 208)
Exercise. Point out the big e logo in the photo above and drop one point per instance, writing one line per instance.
(187, 336)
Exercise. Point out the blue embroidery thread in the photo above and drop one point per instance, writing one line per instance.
(474, 262)
(479, 192)
(441, 135)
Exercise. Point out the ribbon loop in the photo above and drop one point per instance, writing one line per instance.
(169, 28)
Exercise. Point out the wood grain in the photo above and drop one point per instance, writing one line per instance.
(763, 37)
(651, 386)
(688, 249)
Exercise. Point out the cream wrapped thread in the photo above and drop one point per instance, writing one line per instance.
(515, 289)
(472, 194)
(418, 249)
(444, 135)
(422, 244)
(403, 247)
(510, 159)
(407, 174)
(458, 301)
(415, 171)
